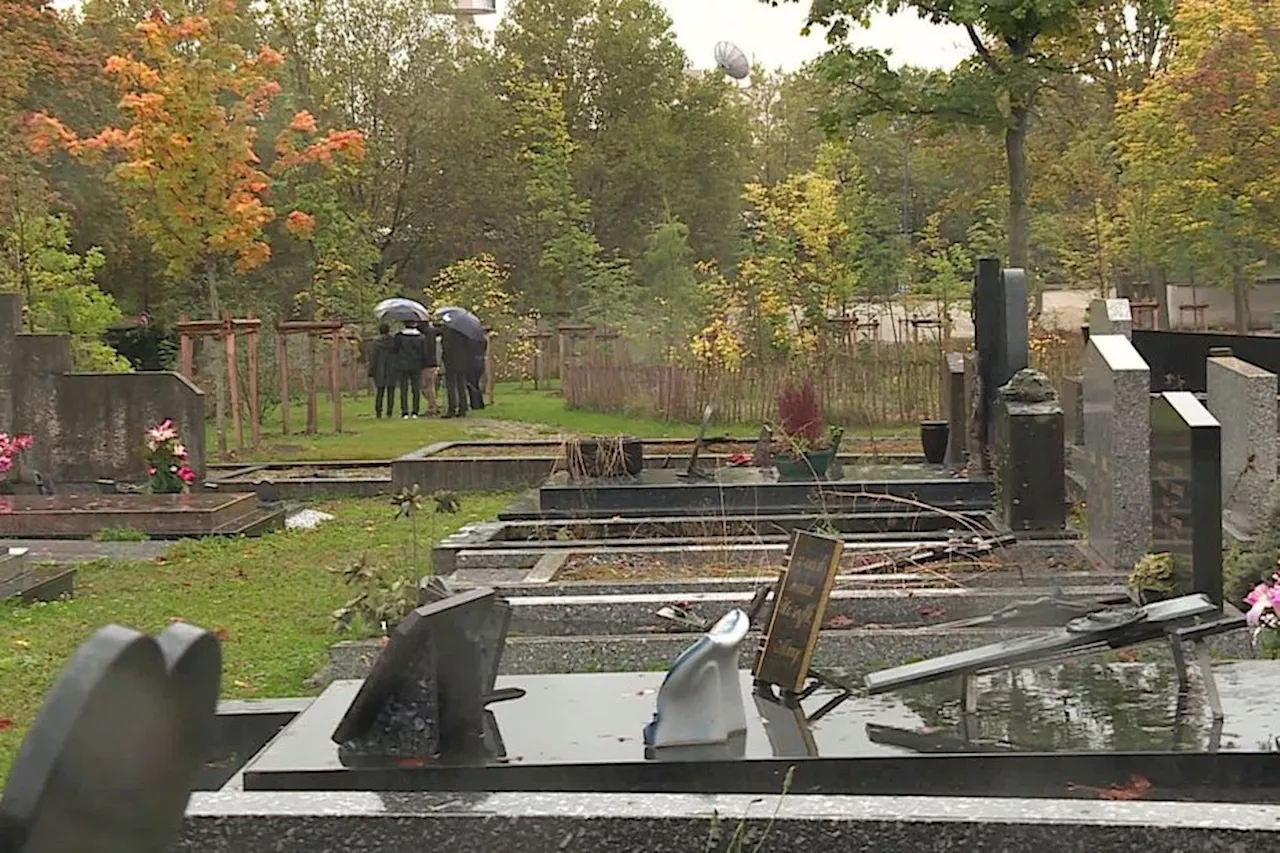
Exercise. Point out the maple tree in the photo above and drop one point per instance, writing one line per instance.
(1201, 145)
(183, 162)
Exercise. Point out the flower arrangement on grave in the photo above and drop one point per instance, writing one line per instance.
(807, 446)
(1264, 616)
(10, 447)
(167, 461)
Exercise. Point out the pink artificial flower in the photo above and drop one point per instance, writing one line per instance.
(151, 470)
(5, 464)
(186, 475)
(179, 451)
(1264, 597)
(24, 442)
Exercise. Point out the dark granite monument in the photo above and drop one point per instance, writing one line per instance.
(426, 694)
(955, 408)
(110, 761)
(1186, 491)
(999, 309)
(1028, 454)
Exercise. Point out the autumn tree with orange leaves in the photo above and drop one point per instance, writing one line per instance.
(183, 159)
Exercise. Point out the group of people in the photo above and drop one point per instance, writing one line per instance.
(411, 359)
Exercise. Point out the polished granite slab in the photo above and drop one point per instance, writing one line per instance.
(1049, 728)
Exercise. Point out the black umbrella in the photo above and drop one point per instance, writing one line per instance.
(462, 321)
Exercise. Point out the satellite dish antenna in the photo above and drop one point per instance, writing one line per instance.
(732, 60)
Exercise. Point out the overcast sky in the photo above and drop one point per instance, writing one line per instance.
(771, 36)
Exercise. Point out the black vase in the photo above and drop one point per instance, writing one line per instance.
(933, 438)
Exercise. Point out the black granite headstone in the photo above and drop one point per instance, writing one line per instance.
(425, 695)
(109, 763)
(955, 407)
(1186, 491)
(1000, 332)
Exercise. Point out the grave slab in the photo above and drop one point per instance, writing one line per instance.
(735, 491)
(583, 733)
(1117, 449)
(72, 516)
(368, 822)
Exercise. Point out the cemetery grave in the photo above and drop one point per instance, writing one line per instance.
(892, 629)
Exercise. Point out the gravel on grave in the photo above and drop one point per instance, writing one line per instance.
(858, 446)
(628, 567)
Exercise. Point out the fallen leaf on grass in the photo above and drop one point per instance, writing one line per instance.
(5, 724)
(1128, 655)
(175, 619)
(22, 644)
(243, 685)
(161, 560)
(221, 635)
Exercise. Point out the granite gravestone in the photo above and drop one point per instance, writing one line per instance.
(109, 763)
(1110, 317)
(954, 404)
(1000, 334)
(1028, 454)
(799, 604)
(1242, 397)
(1117, 436)
(425, 695)
(1186, 496)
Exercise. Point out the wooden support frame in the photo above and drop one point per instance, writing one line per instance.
(315, 330)
(227, 330)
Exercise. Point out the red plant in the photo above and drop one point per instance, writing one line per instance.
(800, 415)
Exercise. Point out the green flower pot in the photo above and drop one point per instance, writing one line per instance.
(812, 465)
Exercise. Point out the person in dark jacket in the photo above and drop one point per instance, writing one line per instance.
(382, 372)
(431, 372)
(456, 348)
(409, 355)
(475, 373)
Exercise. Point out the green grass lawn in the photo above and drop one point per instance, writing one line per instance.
(520, 412)
(271, 600)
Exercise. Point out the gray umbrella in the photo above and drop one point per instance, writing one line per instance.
(463, 321)
(400, 308)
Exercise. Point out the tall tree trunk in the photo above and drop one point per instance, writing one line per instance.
(219, 369)
(1015, 147)
(1240, 298)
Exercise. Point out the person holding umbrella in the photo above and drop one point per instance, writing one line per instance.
(408, 349)
(462, 331)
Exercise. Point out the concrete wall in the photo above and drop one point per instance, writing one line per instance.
(86, 426)
(103, 418)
